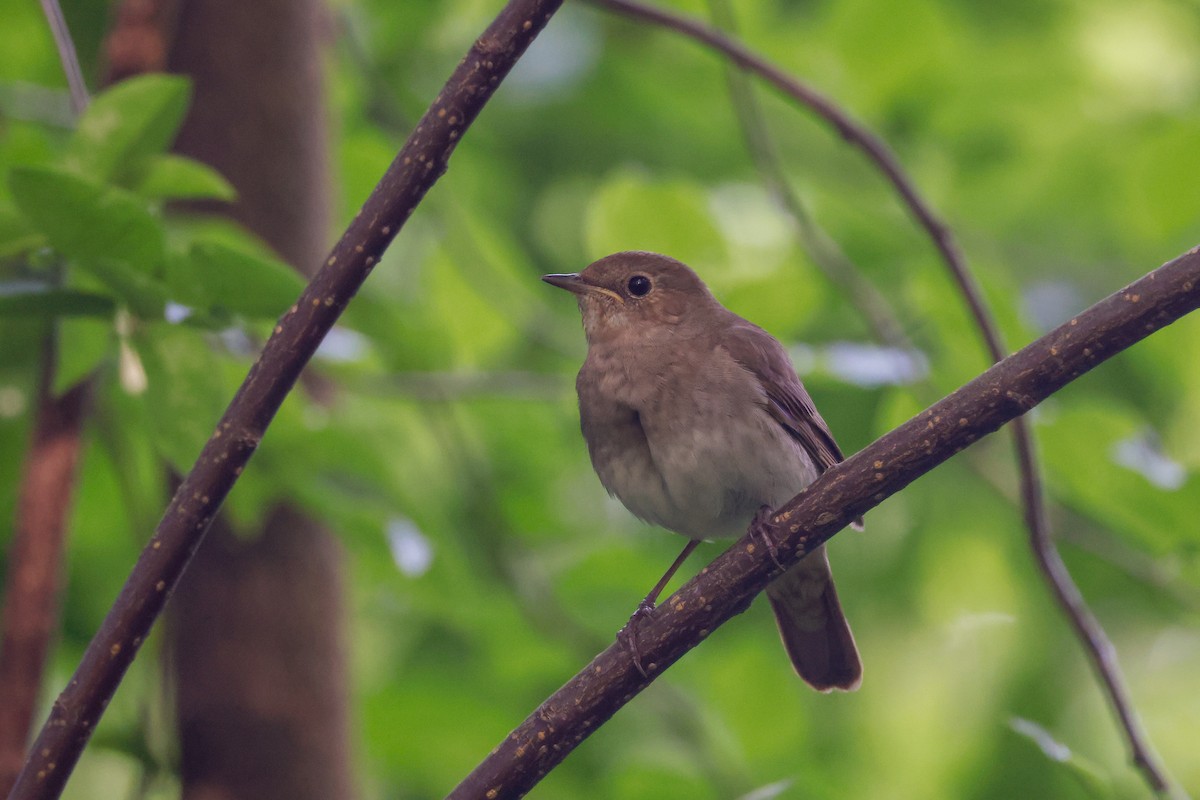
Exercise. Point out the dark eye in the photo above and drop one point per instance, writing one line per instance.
(639, 285)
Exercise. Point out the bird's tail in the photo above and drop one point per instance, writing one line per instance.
(813, 627)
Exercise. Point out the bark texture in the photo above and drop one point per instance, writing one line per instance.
(256, 647)
(257, 634)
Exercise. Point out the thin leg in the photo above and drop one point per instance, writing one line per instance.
(628, 634)
(652, 598)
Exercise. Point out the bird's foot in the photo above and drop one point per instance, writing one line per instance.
(628, 634)
(759, 529)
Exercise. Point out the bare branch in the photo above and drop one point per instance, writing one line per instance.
(67, 55)
(1095, 642)
(825, 253)
(727, 586)
(419, 164)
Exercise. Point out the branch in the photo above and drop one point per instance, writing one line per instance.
(419, 164)
(847, 127)
(1054, 571)
(727, 585)
(825, 253)
(35, 565)
(67, 55)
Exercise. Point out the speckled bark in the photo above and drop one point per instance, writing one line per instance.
(416, 168)
(727, 585)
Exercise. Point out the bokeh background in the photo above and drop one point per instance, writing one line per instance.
(481, 563)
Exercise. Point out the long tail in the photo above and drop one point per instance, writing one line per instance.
(813, 627)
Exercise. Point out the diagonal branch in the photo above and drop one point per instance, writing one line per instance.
(854, 132)
(1096, 643)
(727, 585)
(416, 168)
(825, 253)
(67, 55)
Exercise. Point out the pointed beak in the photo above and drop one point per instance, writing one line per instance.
(569, 281)
(573, 282)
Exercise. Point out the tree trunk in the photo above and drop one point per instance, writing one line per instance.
(257, 629)
(31, 594)
(257, 658)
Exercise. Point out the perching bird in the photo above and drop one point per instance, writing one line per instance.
(695, 420)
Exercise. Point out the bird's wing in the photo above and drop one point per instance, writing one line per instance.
(787, 399)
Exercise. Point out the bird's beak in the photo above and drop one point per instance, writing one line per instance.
(573, 282)
(569, 281)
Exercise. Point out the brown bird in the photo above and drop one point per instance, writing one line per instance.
(695, 420)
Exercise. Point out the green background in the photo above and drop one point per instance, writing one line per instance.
(1061, 142)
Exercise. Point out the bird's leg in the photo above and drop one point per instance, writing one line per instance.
(628, 634)
(759, 530)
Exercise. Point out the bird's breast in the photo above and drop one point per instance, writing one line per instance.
(686, 442)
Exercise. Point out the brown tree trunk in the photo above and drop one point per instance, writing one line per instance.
(35, 564)
(257, 659)
(257, 629)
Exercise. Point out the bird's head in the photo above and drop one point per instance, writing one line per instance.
(634, 291)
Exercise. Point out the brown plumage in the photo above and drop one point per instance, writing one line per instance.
(695, 419)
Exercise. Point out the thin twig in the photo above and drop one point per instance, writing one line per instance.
(67, 55)
(423, 159)
(1096, 643)
(847, 127)
(822, 249)
(728, 585)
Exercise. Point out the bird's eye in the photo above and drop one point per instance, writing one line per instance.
(639, 285)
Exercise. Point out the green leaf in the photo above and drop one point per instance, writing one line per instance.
(133, 119)
(24, 299)
(220, 278)
(184, 395)
(83, 344)
(633, 211)
(16, 235)
(1082, 447)
(86, 221)
(172, 177)
(146, 296)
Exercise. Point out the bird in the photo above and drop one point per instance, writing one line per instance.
(696, 420)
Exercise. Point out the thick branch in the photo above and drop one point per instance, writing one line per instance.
(727, 586)
(419, 164)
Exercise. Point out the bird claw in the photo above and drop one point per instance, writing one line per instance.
(759, 530)
(628, 634)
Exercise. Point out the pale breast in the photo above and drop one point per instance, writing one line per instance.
(692, 449)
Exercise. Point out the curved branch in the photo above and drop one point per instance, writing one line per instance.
(67, 55)
(727, 585)
(825, 253)
(1099, 649)
(419, 164)
(847, 127)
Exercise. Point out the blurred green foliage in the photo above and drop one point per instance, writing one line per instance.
(1057, 138)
